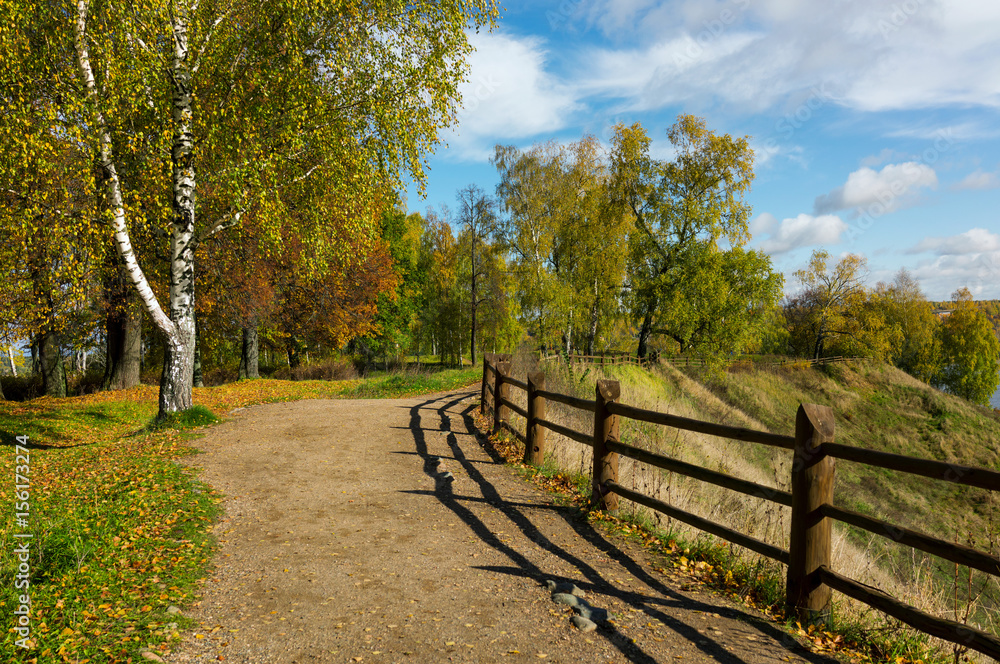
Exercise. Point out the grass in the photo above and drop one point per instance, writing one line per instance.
(119, 529)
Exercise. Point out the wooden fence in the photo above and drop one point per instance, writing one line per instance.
(810, 579)
(624, 357)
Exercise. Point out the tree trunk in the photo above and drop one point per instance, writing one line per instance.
(13, 367)
(569, 333)
(123, 323)
(249, 356)
(472, 339)
(35, 366)
(51, 361)
(178, 367)
(644, 331)
(197, 377)
(592, 331)
(294, 359)
(178, 327)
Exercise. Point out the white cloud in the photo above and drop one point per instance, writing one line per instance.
(944, 136)
(802, 231)
(883, 157)
(894, 187)
(668, 72)
(941, 276)
(765, 222)
(979, 180)
(974, 241)
(880, 54)
(509, 95)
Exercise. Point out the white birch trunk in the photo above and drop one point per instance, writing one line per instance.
(569, 332)
(178, 328)
(106, 159)
(178, 366)
(10, 354)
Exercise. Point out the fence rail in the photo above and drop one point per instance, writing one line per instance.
(611, 358)
(810, 579)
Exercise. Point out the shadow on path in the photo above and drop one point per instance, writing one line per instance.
(441, 409)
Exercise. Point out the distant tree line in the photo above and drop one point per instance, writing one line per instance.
(581, 248)
(953, 345)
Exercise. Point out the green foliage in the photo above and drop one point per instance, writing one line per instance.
(970, 361)
(398, 311)
(444, 319)
(292, 120)
(918, 351)
(565, 242)
(683, 285)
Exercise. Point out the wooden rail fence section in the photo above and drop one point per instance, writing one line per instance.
(611, 358)
(810, 580)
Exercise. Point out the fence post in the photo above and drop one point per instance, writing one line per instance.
(487, 358)
(500, 390)
(809, 542)
(605, 462)
(534, 448)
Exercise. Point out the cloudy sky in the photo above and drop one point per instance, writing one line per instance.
(875, 123)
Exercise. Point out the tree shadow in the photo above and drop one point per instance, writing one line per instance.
(9, 439)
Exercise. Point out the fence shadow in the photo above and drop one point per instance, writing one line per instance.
(439, 415)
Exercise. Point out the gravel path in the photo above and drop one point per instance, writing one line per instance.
(341, 542)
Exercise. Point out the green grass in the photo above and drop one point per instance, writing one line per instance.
(120, 530)
(196, 416)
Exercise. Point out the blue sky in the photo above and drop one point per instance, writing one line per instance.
(876, 124)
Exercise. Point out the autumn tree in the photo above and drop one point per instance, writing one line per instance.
(565, 243)
(443, 320)
(836, 313)
(50, 224)
(970, 352)
(691, 224)
(530, 194)
(398, 314)
(248, 95)
(911, 316)
(593, 240)
(500, 330)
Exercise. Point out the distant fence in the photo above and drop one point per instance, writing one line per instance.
(610, 358)
(810, 579)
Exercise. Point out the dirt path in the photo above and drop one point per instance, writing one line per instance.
(341, 543)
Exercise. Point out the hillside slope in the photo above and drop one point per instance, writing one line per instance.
(876, 406)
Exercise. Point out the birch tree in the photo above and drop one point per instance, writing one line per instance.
(528, 232)
(234, 100)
